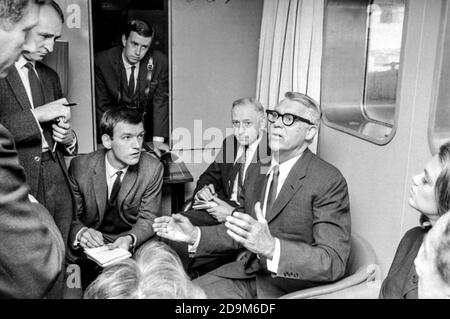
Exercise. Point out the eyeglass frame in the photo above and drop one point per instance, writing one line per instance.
(296, 118)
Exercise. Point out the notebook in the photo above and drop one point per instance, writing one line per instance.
(106, 257)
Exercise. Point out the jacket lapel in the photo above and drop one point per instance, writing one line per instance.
(292, 184)
(128, 182)
(17, 87)
(100, 186)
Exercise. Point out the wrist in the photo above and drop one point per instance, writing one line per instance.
(271, 250)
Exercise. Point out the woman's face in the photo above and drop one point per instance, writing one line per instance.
(421, 194)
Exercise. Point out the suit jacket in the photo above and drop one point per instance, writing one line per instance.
(310, 217)
(16, 115)
(139, 197)
(32, 249)
(111, 88)
(219, 172)
(401, 281)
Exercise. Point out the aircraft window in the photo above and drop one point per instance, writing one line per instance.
(439, 128)
(360, 69)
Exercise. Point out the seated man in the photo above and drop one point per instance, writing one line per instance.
(223, 180)
(155, 273)
(433, 261)
(295, 223)
(117, 189)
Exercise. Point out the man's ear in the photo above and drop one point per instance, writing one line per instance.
(106, 140)
(311, 133)
(124, 40)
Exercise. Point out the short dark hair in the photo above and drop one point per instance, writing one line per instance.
(119, 114)
(442, 186)
(58, 9)
(140, 27)
(11, 11)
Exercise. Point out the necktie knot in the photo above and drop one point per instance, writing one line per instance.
(29, 66)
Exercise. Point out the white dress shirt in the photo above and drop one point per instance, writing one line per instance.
(128, 71)
(284, 170)
(248, 159)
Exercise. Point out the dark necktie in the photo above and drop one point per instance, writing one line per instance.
(115, 188)
(241, 161)
(273, 189)
(35, 86)
(236, 170)
(131, 83)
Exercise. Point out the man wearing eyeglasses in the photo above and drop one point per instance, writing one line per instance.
(294, 226)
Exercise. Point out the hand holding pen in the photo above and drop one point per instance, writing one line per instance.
(61, 129)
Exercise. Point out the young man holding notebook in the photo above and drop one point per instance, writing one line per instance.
(117, 190)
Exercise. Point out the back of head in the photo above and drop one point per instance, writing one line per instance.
(11, 11)
(155, 273)
(119, 114)
(140, 27)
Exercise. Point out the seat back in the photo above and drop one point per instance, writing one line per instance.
(361, 255)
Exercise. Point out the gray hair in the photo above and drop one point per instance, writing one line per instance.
(11, 11)
(252, 101)
(155, 273)
(312, 106)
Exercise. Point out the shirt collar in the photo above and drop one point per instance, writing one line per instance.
(286, 166)
(111, 171)
(21, 61)
(128, 65)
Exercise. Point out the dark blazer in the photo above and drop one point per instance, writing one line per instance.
(219, 172)
(139, 197)
(32, 249)
(16, 115)
(111, 88)
(311, 217)
(401, 281)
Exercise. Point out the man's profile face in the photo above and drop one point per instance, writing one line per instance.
(13, 37)
(44, 35)
(126, 144)
(247, 123)
(135, 47)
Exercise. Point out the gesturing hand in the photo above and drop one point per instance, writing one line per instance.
(207, 193)
(176, 227)
(253, 234)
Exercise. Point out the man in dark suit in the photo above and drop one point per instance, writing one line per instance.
(32, 250)
(135, 75)
(223, 180)
(295, 224)
(32, 103)
(117, 189)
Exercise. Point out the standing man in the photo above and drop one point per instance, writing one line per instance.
(137, 76)
(117, 189)
(32, 250)
(32, 104)
(295, 224)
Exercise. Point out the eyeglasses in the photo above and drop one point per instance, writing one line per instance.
(287, 118)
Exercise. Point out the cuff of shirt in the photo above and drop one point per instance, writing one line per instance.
(133, 241)
(158, 139)
(77, 237)
(71, 148)
(272, 264)
(192, 249)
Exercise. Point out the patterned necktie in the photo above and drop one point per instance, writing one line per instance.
(273, 189)
(131, 83)
(35, 85)
(115, 188)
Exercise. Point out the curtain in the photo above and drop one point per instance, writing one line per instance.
(290, 52)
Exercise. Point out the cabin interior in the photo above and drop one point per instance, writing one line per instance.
(379, 69)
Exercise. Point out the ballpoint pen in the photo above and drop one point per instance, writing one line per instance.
(62, 119)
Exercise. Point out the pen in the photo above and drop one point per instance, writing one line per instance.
(59, 121)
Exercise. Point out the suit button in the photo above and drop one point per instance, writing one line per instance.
(37, 158)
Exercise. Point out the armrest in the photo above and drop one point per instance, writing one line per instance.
(367, 290)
